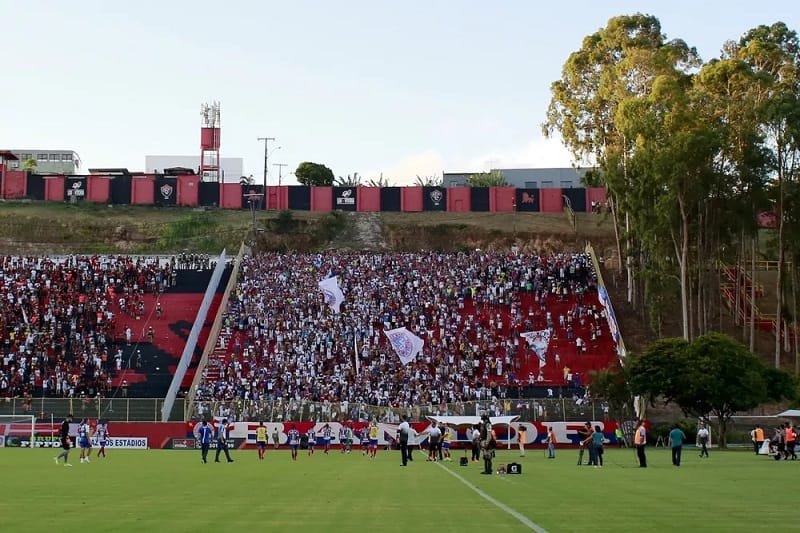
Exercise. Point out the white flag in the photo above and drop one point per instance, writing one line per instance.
(333, 294)
(406, 345)
(539, 341)
(355, 350)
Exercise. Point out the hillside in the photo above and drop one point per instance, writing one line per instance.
(53, 228)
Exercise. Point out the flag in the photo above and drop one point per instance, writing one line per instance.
(355, 350)
(406, 345)
(333, 294)
(539, 341)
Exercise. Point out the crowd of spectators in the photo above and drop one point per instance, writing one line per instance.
(285, 344)
(58, 319)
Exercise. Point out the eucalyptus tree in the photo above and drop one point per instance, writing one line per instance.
(773, 52)
(675, 146)
(613, 65)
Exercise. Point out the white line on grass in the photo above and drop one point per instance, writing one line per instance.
(522, 518)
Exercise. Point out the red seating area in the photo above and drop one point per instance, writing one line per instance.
(281, 341)
(98, 326)
(60, 318)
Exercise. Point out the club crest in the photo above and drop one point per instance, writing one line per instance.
(166, 191)
(401, 344)
(436, 197)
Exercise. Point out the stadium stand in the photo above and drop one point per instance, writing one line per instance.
(281, 342)
(95, 326)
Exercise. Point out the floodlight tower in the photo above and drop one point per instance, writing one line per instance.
(209, 143)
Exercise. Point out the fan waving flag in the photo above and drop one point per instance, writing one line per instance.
(406, 345)
(333, 294)
(539, 341)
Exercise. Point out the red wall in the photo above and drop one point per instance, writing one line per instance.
(550, 201)
(15, 183)
(158, 434)
(189, 190)
(459, 199)
(411, 199)
(230, 195)
(98, 189)
(369, 199)
(142, 189)
(594, 194)
(321, 198)
(277, 197)
(502, 198)
(54, 188)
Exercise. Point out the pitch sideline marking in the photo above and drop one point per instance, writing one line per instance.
(522, 518)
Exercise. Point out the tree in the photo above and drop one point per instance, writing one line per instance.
(495, 178)
(246, 181)
(612, 386)
(616, 64)
(712, 375)
(314, 174)
(380, 182)
(352, 180)
(773, 52)
(429, 181)
(30, 165)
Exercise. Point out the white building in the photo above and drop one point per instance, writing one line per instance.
(232, 167)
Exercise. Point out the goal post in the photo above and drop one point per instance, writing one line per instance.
(19, 428)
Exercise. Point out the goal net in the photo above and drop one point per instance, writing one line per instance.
(17, 431)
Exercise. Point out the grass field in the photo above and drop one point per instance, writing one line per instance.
(161, 490)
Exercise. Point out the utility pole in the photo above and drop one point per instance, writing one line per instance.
(266, 157)
(280, 171)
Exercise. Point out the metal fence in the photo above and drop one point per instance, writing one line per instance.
(149, 409)
(114, 409)
(530, 410)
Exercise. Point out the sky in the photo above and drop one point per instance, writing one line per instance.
(397, 89)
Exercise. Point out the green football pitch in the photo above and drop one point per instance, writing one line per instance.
(161, 490)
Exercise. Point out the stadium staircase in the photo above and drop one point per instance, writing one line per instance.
(737, 283)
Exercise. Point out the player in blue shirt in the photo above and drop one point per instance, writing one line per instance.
(312, 440)
(84, 440)
(364, 434)
(102, 436)
(223, 435)
(204, 438)
(327, 435)
(293, 438)
(343, 439)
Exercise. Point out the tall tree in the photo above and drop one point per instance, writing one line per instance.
(613, 65)
(773, 53)
(314, 174)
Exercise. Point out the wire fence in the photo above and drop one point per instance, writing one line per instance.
(149, 409)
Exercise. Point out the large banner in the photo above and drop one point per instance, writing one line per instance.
(166, 191)
(345, 198)
(244, 433)
(434, 198)
(75, 188)
(527, 200)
